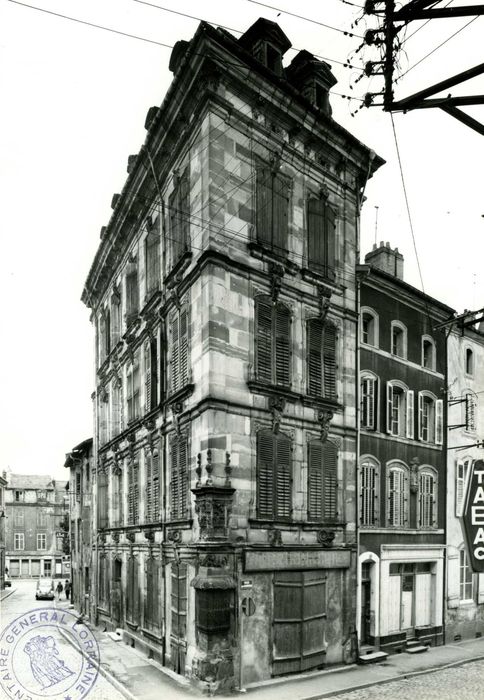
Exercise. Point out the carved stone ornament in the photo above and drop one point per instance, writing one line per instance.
(101, 537)
(115, 537)
(275, 161)
(174, 536)
(213, 505)
(150, 535)
(130, 536)
(214, 561)
(414, 465)
(176, 410)
(326, 537)
(323, 192)
(276, 272)
(324, 303)
(274, 538)
(324, 419)
(149, 424)
(276, 406)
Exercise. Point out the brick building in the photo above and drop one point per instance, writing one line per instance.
(36, 509)
(223, 298)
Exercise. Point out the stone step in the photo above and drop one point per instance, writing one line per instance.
(115, 636)
(416, 649)
(372, 657)
(413, 643)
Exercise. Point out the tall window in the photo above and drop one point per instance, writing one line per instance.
(152, 617)
(105, 326)
(133, 389)
(400, 410)
(18, 518)
(399, 339)
(369, 492)
(469, 362)
(322, 480)
(151, 378)
(470, 411)
(179, 356)
(179, 477)
(272, 209)
(369, 327)
(368, 399)
(132, 292)
(115, 317)
(179, 215)
(18, 496)
(133, 493)
(115, 407)
(321, 358)
(41, 541)
(428, 353)
(461, 472)
(19, 541)
(42, 518)
(132, 591)
(103, 581)
(430, 417)
(152, 490)
(274, 476)
(321, 237)
(427, 498)
(152, 256)
(102, 499)
(273, 341)
(466, 577)
(397, 496)
(117, 482)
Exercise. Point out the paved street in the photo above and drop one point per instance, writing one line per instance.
(23, 601)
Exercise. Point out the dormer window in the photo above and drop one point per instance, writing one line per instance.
(273, 59)
(266, 41)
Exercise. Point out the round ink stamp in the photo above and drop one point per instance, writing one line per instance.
(40, 656)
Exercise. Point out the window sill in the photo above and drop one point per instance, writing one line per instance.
(319, 278)
(267, 254)
(258, 387)
(178, 268)
(180, 395)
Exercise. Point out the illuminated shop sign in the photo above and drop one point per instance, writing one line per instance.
(473, 516)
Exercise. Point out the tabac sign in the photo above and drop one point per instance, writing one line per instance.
(473, 516)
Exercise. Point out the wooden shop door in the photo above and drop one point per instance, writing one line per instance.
(178, 617)
(299, 621)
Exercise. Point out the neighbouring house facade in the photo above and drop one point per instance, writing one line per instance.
(36, 509)
(3, 483)
(465, 589)
(223, 297)
(402, 469)
(80, 464)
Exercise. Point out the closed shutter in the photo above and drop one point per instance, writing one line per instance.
(175, 353)
(175, 485)
(330, 480)
(421, 417)
(135, 487)
(315, 365)
(183, 471)
(439, 415)
(183, 370)
(264, 205)
(130, 495)
(315, 481)
(316, 252)
(410, 414)
(460, 474)
(156, 486)
(147, 361)
(154, 373)
(185, 211)
(149, 488)
(389, 407)
(264, 339)
(396, 498)
(368, 494)
(329, 361)
(282, 345)
(174, 229)
(330, 236)
(280, 208)
(283, 504)
(265, 474)
(368, 386)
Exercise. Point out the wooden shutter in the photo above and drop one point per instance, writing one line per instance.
(282, 345)
(316, 248)
(264, 340)
(330, 240)
(149, 487)
(410, 412)
(183, 470)
(459, 487)
(175, 485)
(389, 407)
(174, 229)
(183, 369)
(280, 208)
(368, 494)
(420, 416)
(330, 480)
(135, 487)
(265, 474)
(315, 481)
(396, 498)
(264, 205)
(175, 353)
(314, 357)
(329, 361)
(154, 373)
(368, 386)
(439, 416)
(185, 211)
(155, 471)
(147, 363)
(283, 468)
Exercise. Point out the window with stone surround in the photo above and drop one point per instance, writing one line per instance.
(19, 541)
(152, 486)
(322, 480)
(321, 358)
(152, 608)
(369, 492)
(132, 590)
(150, 353)
(117, 485)
(179, 349)
(103, 581)
(18, 517)
(178, 479)
(430, 417)
(152, 256)
(368, 400)
(274, 476)
(321, 232)
(133, 389)
(132, 291)
(179, 216)
(272, 208)
(427, 497)
(273, 342)
(397, 495)
(133, 492)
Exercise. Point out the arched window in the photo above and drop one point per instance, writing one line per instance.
(369, 492)
(400, 411)
(428, 352)
(272, 341)
(368, 400)
(399, 340)
(469, 362)
(274, 475)
(430, 418)
(322, 480)
(321, 358)
(397, 495)
(470, 411)
(369, 326)
(427, 497)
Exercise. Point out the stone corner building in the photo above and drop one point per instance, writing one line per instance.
(223, 298)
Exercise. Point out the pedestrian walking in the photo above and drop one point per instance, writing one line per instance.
(67, 588)
(59, 589)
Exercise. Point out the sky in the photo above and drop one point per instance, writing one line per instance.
(74, 101)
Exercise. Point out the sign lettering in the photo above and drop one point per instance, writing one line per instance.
(473, 516)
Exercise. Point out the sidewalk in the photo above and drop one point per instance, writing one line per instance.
(6, 592)
(139, 678)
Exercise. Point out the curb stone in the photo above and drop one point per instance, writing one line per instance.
(5, 595)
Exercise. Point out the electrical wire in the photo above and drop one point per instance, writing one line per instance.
(422, 25)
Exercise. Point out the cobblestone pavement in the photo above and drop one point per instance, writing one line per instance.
(464, 682)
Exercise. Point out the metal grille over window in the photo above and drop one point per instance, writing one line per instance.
(274, 476)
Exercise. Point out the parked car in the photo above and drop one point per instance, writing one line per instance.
(45, 589)
(7, 582)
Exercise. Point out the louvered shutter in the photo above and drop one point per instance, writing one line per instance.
(130, 495)
(410, 414)
(154, 373)
(329, 361)
(315, 481)
(175, 484)
(156, 486)
(421, 417)
(368, 485)
(459, 488)
(283, 468)
(396, 498)
(135, 492)
(265, 474)
(330, 241)
(185, 211)
(183, 347)
(174, 228)
(370, 402)
(264, 205)
(183, 470)
(316, 253)
(315, 364)
(280, 208)
(330, 480)
(389, 407)
(439, 416)
(282, 345)
(175, 354)
(147, 362)
(149, 488)
(264, 340)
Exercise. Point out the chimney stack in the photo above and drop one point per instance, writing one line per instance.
(387, 259)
